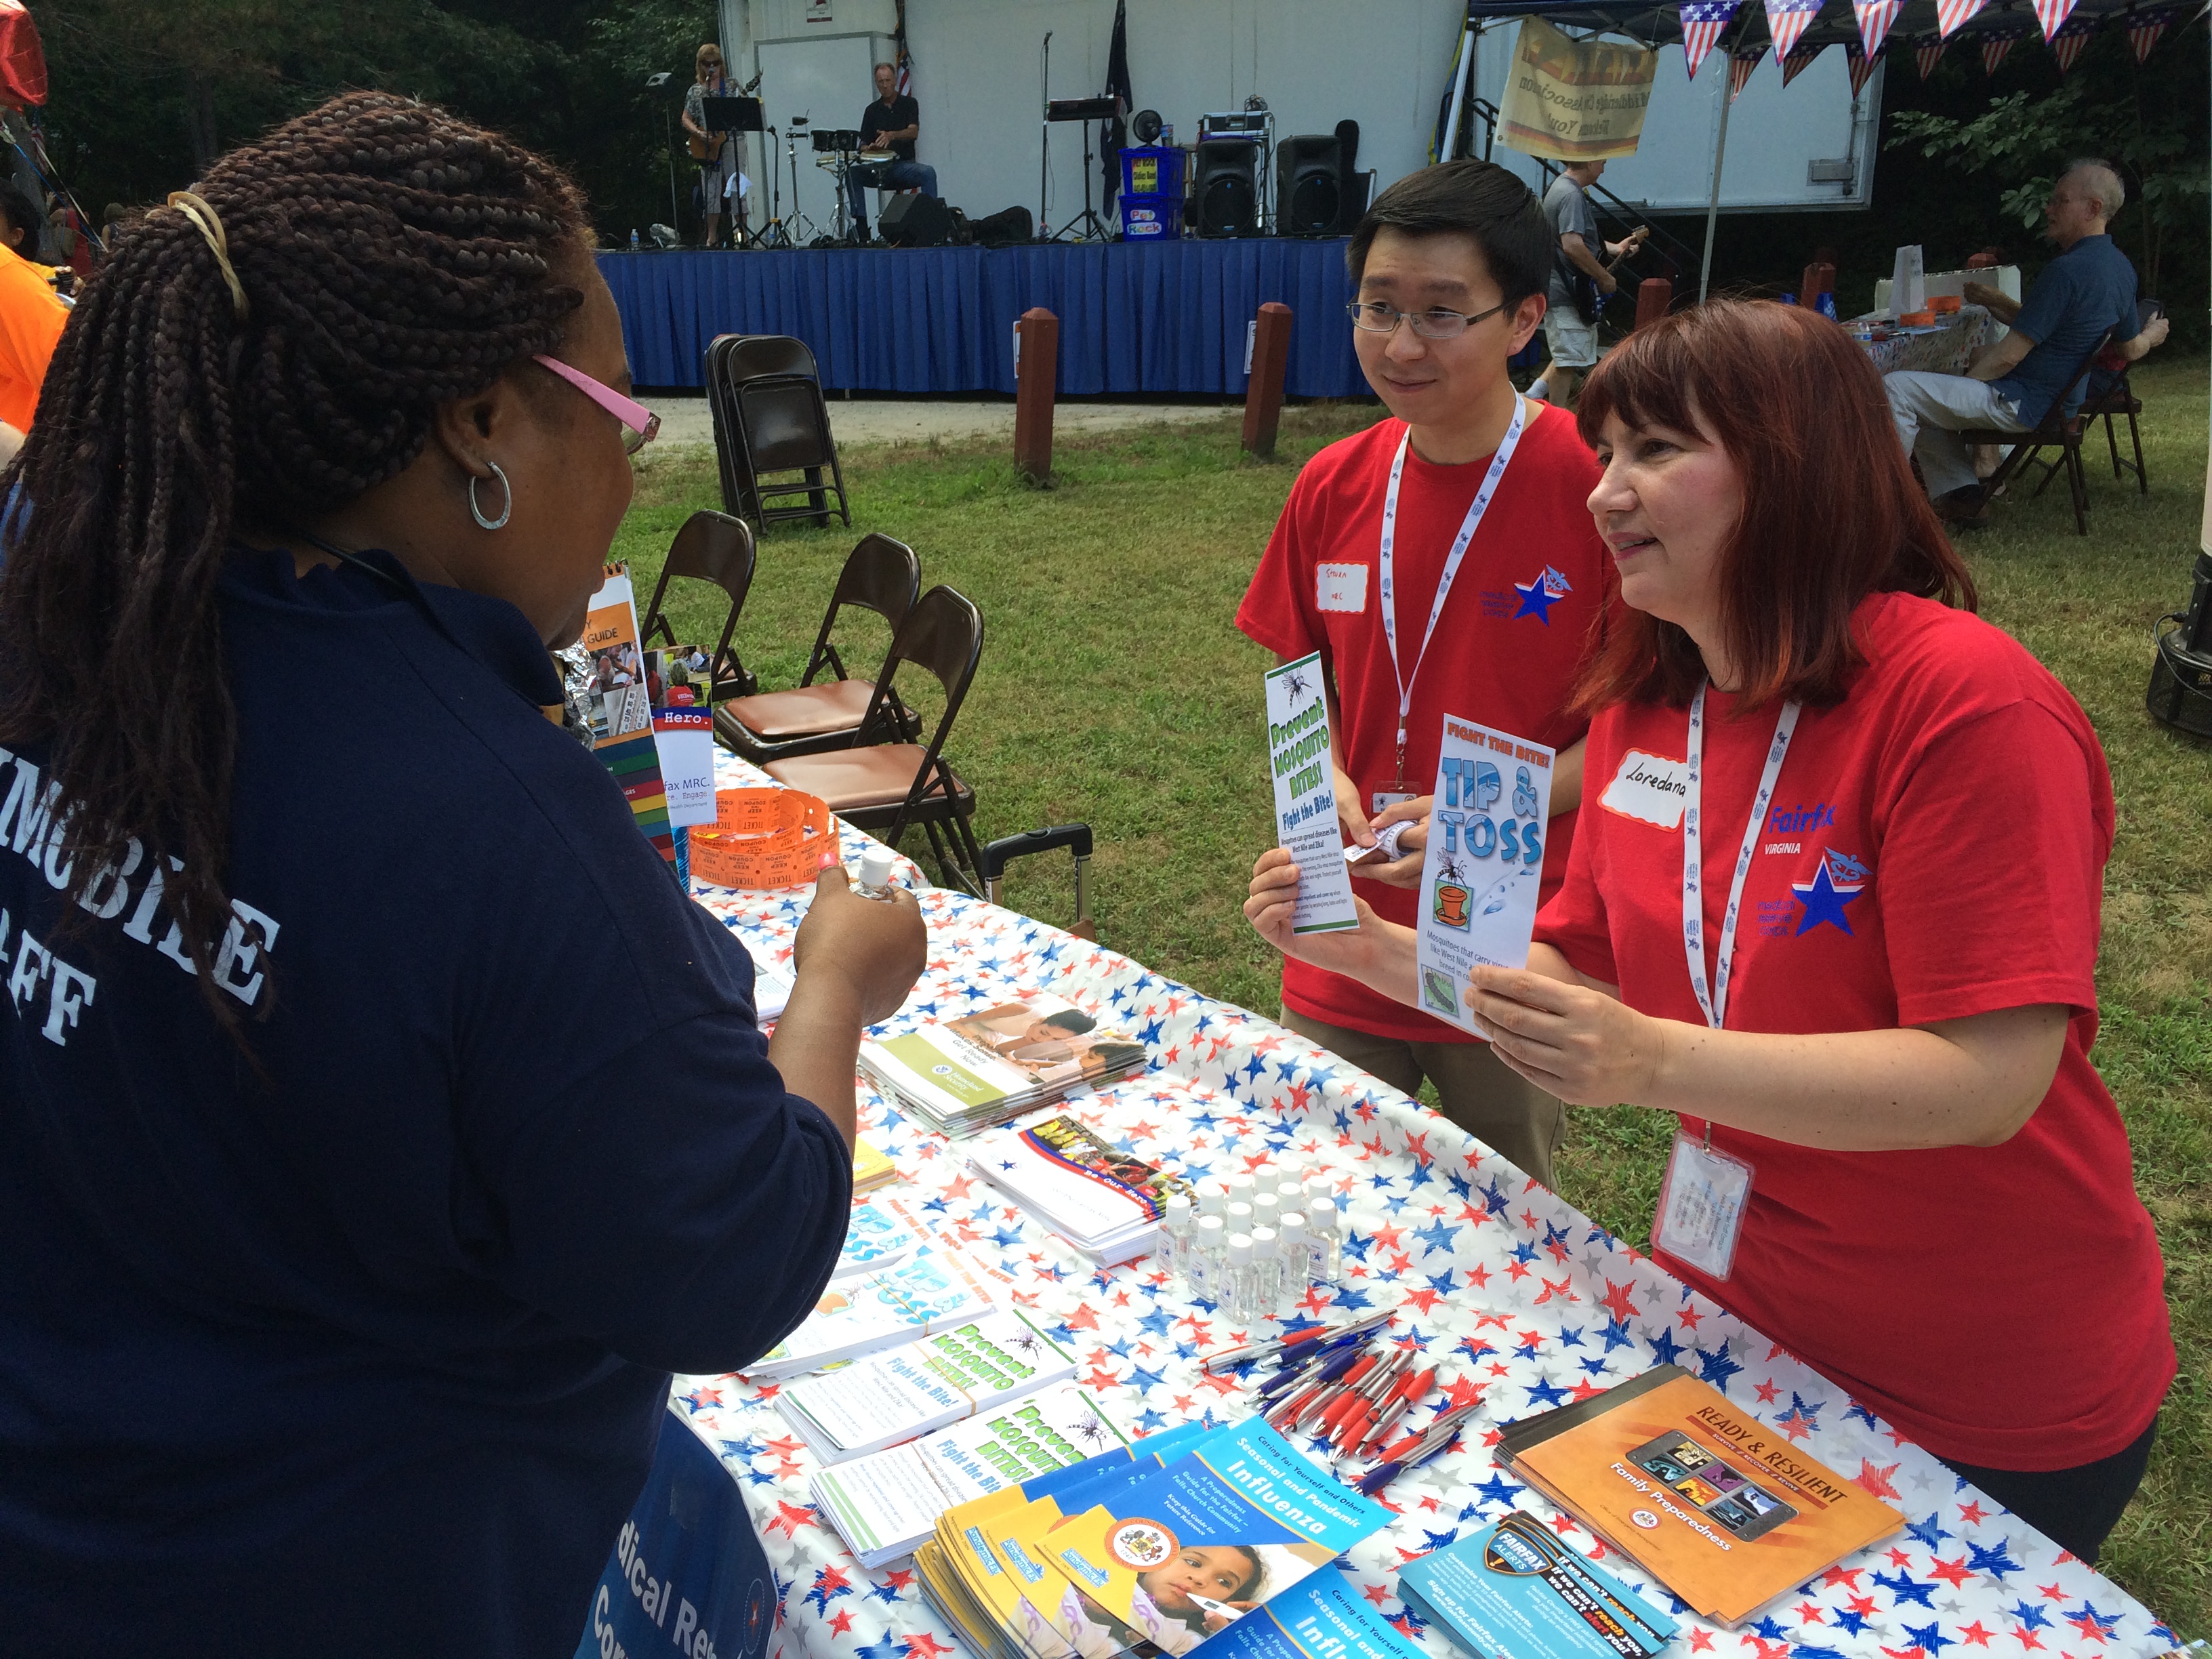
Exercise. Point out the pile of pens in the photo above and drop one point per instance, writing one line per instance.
(1333, 1382)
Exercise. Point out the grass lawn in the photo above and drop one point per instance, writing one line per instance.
(1114, 689)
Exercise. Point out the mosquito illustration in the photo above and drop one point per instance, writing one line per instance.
(1025, 1345)
(1295, 687)
(1087, 1431)
(1449, 871)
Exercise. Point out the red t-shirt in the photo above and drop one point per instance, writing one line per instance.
(1526, 613)
(1935, 848)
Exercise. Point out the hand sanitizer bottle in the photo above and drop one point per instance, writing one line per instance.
(875, 879)
(1236, 1301)
(1267, 1275)
(1206, 1259)
(1176, 1225)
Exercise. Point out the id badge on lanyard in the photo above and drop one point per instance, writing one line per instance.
(1702, 1202)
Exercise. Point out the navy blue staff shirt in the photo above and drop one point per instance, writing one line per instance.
(2084, 291)
(365, 1352)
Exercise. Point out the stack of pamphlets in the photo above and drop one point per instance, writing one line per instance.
(884, 1505)
(921, 1387)
(1518, 1592)
(985, 1068)
(1106, 1203)
(1321, 1616)
(936, 1287)
(1168, 1558)
(871, 1164)
(1724, 1511)
(879, 1236)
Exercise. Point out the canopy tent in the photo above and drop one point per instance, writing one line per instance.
(1743, 31)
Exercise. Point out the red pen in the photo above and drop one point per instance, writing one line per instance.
(1414, 1388)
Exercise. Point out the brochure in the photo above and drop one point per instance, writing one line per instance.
(886, 1503)
(1321, 1618)
(985, 1067)
(1106, 1203)
(1724, 1511)
(871, 1164)
(1518, 1592)
(1485, 861)
(618, 705)
(1303, 765)
(877, 1237)
(937, 1287)
(923, 1386)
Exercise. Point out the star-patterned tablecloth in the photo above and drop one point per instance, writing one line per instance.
(1943, 349)
(1519, 1300)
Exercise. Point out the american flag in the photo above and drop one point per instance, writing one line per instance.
(1862, 63)
(2051, 15)
(1741, 62)
(2145, 27)
(1996, 43)
(1925, 51)
(1799, 61)
(1702, 23)
(905, 58)
(1951, 16)
(1874, 18)
(1785, 22)
(2066, 45)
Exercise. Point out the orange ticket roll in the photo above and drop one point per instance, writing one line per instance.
(764, 838)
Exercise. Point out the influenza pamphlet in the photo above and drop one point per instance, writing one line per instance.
(1303, 765)
(1485, 861)
(1320, 1616)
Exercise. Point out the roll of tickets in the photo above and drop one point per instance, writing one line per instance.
(764, 838)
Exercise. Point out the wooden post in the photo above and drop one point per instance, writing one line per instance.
(1036, 371)
(1263, 385)
(1654, 294)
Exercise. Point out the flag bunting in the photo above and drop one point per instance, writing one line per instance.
(1702, 23)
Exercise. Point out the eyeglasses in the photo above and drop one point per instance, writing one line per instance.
(642, 425)
(1373, 316)
(710, 62)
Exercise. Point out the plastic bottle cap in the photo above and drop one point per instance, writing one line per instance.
(1240, 1248)
(1265, 1205)
(1320, 1213)
(1178, 1208)
(1212, 1196)
(1293, 1193)
(1263, 1241)
(1240, 1217)
(1209, 1226)
(875, 866)
(1293, 1225)
(1242, 1186)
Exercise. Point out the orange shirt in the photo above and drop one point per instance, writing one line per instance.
(31, 320)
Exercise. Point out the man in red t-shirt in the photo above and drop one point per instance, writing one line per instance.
(1450, 266)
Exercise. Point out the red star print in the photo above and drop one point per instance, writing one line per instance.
(1095, 1378)
(1973, 1514)
(1701, 1641)
(1375, 1593)
(1226, 1384)
(1463, 1393)
(1477, 1277)
(842, 1623)
(1847, 1576)
(2088, 1627)
(1424, 1300)
(1586, 1389)
(1766, 1391)
(1689, 1316)
(902, 1580)
(790, 1517)
(1975, 1634)
(925, 1646)
(2026, 1637)
(1952, 1572)
(1562, 1524)
(1516, 1270)
(1082, 1319)
(787, 1446)
(1617, 1302)
(1877, 1480)
(1808, 1614)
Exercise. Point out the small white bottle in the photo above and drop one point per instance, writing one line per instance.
(1291, 1256)
(1205, 1259)
(1293, 1194)
(1237, 1218)
(1212, 1198)
(1241, 1188)
(1236, 1300)
(875, 878)
(1267, 1211)
(1267, 1274)
(1324, 1242)
(1176, 1225)
(1319, 1184)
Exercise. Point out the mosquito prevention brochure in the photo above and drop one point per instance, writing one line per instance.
(1485, 861)
(1303, 762)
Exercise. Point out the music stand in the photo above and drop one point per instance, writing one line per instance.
(734, 115)
(1085, 110)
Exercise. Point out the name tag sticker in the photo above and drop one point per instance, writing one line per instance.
(1340, 587)
(1649, 788)
(1701, 1206)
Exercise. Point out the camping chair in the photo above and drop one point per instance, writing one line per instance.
(2056, 430)
(711, 547)
(880, 574)
(885, 786)
(2110, 397)
(777, 423)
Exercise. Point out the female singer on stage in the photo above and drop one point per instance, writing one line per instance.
(1833, 901)
(716, 152)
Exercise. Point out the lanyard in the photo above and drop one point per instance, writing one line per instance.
(1715, 1001)
(1474, 512)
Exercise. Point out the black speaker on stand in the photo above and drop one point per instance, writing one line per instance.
(916, 220)
(1225, 189)
(1317, 192)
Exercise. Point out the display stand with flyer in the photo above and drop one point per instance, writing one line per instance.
(1484, 862)
(1301, 757)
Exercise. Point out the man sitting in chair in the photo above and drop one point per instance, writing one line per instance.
(2010, 386)
(893, 122)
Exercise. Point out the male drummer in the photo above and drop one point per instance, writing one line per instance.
(893, 122)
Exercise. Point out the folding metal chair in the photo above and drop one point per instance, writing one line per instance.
(711, 547)
(881, 574)
(2056, 430)
(887, 786)
(2115, 399)
(775, 421)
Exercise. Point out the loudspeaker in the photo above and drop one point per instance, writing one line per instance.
(1225, 192)
(917, 221)
(1309, 186)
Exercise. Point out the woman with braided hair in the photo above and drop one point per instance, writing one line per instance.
(352, 1212)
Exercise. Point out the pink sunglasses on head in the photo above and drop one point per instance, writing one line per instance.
(644, 426)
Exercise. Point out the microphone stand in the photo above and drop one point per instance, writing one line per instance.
(1044, 143)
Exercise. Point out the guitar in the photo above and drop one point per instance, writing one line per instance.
(1581, 287)
(706, 150)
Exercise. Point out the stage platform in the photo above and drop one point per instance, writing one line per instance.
(1134, 317)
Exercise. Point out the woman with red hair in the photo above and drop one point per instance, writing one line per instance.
(1836, 908)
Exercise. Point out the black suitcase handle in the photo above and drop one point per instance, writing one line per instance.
(997, 854)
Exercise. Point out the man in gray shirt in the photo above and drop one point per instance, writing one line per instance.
(1573, 342)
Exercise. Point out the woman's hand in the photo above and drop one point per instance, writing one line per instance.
(1584, 1047)
(1273, 906)
(1351, 815)
(878, 947)
(1405, 869)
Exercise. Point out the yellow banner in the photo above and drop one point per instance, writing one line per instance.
(1574, 100)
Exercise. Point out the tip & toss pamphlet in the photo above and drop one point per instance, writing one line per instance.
(1303, 762)
(1485, 861)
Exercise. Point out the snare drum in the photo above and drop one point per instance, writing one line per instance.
(825, 141)
(848, 139)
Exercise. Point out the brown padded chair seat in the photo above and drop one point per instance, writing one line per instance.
(850, 779)
(806, 711)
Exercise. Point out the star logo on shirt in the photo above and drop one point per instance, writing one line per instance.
(1824, 898)
(1537, 599)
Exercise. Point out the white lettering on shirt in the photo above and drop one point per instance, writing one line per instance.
(1649, 788)
(1340, 587)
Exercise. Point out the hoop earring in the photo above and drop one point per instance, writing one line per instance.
(505, 512)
